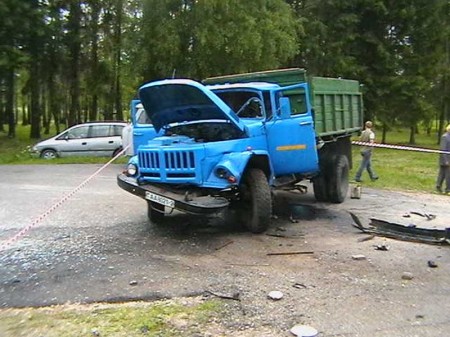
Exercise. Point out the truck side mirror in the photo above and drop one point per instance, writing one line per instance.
(285, 108)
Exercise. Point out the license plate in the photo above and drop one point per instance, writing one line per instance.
(159, 199)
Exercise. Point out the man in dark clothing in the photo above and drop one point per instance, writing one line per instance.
(444, 163)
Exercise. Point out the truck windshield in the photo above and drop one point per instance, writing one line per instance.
(242, 101)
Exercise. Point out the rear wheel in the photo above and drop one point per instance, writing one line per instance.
(49, 154)
(320, 187)
(155, 212)
(255, 206)
(116, 152)
(338, 178)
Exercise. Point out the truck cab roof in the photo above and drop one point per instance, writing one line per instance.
(263, 86)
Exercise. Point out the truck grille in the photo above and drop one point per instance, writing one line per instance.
(164, 165)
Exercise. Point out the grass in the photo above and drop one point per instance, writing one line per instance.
(186, 317)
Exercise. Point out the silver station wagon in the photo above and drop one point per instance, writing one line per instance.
(98, 139)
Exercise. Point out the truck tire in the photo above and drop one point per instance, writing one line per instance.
(320, 187)
(338, 179)
(155, 212)
(255, 207)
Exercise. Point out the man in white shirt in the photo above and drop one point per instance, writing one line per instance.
(367, 136)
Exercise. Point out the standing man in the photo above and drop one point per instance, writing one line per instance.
(367, 136)
(444, 163)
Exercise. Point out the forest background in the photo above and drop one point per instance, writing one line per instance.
(64, 62)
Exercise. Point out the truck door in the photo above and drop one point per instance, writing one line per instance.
(290, 134)
(143, 129)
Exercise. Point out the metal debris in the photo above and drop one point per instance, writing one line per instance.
(429, 216)
(299, 285)
(224, 245)
(359, 257)
(290, 253)
(235, 296)
(401, 232)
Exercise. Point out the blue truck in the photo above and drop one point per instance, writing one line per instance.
(229, 141)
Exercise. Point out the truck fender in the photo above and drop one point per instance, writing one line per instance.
(236, 163)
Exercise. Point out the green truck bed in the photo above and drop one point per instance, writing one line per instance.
(337, 103)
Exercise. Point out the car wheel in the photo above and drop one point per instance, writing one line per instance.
(49, 154)
(255, 206)
(155, 212)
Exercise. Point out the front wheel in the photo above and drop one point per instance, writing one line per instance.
(155, 212)
(255, 206)
(49, 154)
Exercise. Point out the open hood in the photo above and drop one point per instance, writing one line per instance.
(176, 101)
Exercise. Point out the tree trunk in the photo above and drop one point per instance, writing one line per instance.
(93, 109)
(9, 106)
(74, 52)
(118, 62)
(412, 135)
(2, 104)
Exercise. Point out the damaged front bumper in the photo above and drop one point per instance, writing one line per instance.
(181, 201)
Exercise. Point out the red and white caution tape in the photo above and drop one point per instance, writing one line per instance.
(40, 218)
(399, 147)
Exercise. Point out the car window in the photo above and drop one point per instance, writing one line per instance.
(99, 131)
(117, 130)
(62, 136)
(78, 132)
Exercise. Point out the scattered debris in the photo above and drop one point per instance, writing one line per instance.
(359, 257)
(225, 244)
(406, 215)
(235, 296)
(432, 264)
(419, 316)
(429, 216)
(133, 283)
(275, 295)
(304, 331)
(400, 232)
(411, 225)
(290, 253)
(366, 238)
(291, 217)
(355, 192)
(382, 247)
(299, 285)
(407, 276)
(95, 333)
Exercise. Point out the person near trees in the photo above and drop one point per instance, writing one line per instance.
(444, 163)
(367, 136)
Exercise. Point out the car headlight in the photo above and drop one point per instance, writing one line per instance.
(132, 169)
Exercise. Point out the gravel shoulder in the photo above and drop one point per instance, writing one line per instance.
(99, 247)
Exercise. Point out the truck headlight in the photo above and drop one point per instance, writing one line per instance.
(132, 170)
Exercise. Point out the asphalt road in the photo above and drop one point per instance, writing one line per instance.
(98, 246)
